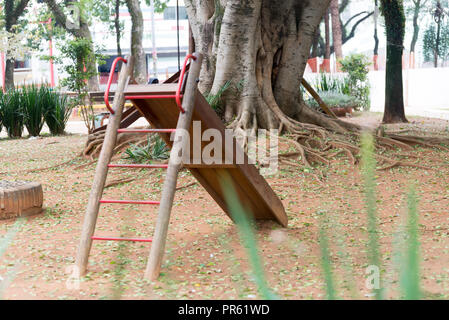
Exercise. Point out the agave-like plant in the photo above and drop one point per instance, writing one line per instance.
(32, 101)
(58, 110)
(12, 113)
(1, 111)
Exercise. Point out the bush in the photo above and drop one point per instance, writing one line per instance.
(328, 82)
(33, 104)
(1, 114)
(12, 114)
(335, 100)
(356, 65)
(58, 111)
(155, 149)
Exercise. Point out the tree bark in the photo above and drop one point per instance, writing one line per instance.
(393, 12)
(140, 68)
(336, 29)
(12, 14)
(327, 36)
(117, 27)
(81, 32)
(416, 11)
(262, 48)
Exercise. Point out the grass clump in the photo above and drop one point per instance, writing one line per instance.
(154, 149)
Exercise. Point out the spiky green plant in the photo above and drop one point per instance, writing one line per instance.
(214, 100)
(58, 110)
(246, 234)
(154, 149)
(33, 107)
(12, 113)
(369, 180)
(1, 111)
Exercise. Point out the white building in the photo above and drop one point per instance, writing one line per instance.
(33, 69)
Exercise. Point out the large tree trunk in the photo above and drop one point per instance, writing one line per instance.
(140, 69)
(393, 12)
(263, 48)
(376, 36)
(12, 13)
(327, 36)
(117, 27)
(81, 32)
(416, 11)
(337, 34)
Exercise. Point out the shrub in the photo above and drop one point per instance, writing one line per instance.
(12, 113)
(58, 111)
(32, 100)
(335, 100)
(1, 112)
(155, 149)
(328, 82)
(356, 65)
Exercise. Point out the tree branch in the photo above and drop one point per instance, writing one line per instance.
(20, 8)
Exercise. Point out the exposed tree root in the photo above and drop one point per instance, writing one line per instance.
(95, 142)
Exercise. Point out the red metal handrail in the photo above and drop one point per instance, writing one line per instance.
(108, 87)
(181, 80)
(177, 96)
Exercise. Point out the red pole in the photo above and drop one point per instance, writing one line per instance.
(52, 70)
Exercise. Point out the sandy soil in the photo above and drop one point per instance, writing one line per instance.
(204, 257)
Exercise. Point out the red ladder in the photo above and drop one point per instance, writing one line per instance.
(185, 103)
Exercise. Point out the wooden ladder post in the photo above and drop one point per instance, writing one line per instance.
(93, 206)
(168, 191)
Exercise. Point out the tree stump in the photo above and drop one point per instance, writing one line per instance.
(20, 198)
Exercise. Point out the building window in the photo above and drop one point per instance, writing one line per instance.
(170, 13)
(22, 64)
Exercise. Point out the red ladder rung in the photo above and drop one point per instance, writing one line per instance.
(144, 166)
(130, 202)
(154, 96)
(121, 239)
(146, 130)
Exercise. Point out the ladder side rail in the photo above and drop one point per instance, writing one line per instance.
(90, 217)
(169, 188)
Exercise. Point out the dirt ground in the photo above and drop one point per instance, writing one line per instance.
(204, 257)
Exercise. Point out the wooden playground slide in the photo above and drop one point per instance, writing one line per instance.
(254, 192)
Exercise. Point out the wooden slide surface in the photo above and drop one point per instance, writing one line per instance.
(253, 191)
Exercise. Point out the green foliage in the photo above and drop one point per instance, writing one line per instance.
(80, 65)
(155, 149)
(159, 5)
(214, 100)
(246, 234)
(31, 107)
(12, 114)
(430, 43)
(329, 82)
(334, 100)
(79, 59)
(33, 104)
(356, 66)
(58, 110)
(105, 11)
